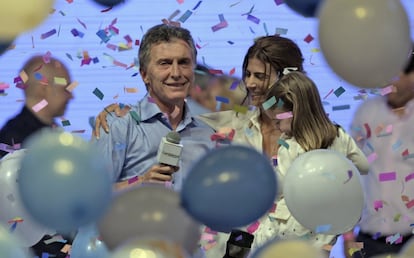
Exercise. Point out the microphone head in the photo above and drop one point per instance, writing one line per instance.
(173, 137)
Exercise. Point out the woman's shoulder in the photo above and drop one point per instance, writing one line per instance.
(228, 118)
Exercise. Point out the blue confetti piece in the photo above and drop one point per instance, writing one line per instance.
(38, 76)
(197, 5)
(222, 99)
(98, 93)
(185, 16)
(322, 228)
(269, 103)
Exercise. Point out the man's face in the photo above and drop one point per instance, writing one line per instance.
(170, 72)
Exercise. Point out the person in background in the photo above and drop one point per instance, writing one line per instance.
(299, 114)
(167, 57)
(198, 95)
(383, 127)
(46, 82)
(263, 64)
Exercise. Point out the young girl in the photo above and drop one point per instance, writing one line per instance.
(299, 114)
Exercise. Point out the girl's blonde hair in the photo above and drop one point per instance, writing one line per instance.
(311, 126)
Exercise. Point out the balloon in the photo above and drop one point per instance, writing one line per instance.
(307, 8)
(323, 191)
(360, 45)
(288, 248)
(18, 16)
(229, 187)
(9, 245)
(87, 244)
(149, 247)
(408, 249)
(63, 181)
(26, 230)
(148, 211)
(109, 3)
(4, 45)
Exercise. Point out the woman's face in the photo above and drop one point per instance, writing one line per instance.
(258, 79)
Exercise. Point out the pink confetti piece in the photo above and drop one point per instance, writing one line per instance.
(284, 115)
(39, 106)
(4, 86)
(219, 26)
(46, 57)
(117, 63)
(387, 176)
(9, 148)
(78, 131)
(387, 90)
(48, 34)
(409, 204)
(207, 237)
(253, 227)
(409, 177)
(378, 205)
(329, 93)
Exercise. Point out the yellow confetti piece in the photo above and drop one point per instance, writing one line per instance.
(60, 81)
(240, 109)
(23, 75)
(315, 50)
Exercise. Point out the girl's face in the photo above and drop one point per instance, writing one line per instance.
(282, 119)
(258, 79)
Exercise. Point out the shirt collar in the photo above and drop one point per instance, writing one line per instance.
(148, 109)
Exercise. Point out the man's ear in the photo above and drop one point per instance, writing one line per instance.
(144, 76)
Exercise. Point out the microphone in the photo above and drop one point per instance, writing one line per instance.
(169, 151)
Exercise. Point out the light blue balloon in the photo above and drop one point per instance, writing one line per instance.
(9, 246)
(64, 183)
(87, 244)
(229, 187)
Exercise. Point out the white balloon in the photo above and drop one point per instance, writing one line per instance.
(323, 191)
(27, 230)
(367, 43)
(17, 16)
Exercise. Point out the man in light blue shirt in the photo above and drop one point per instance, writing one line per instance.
(167, 57)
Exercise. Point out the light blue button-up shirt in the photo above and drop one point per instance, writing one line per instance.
(132, 142)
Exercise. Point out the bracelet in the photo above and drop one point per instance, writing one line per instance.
(348, 236)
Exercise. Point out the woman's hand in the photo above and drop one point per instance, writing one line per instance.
(100, 120)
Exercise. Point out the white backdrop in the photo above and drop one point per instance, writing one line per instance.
(223, 49)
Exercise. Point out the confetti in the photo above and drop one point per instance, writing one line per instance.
(253, 19)
(60, 81)
(387, 176)
(269, 103)
(322, 228)
(284, 115)
(39, 106)
(222, 99)
(98, 93)
(72, 86)
(281, 31)
(253, 227)
(283, 143)
(338, 92)
(308, 38)
(240, 109)
(185, 16)
(341, 107)
(48, 34)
